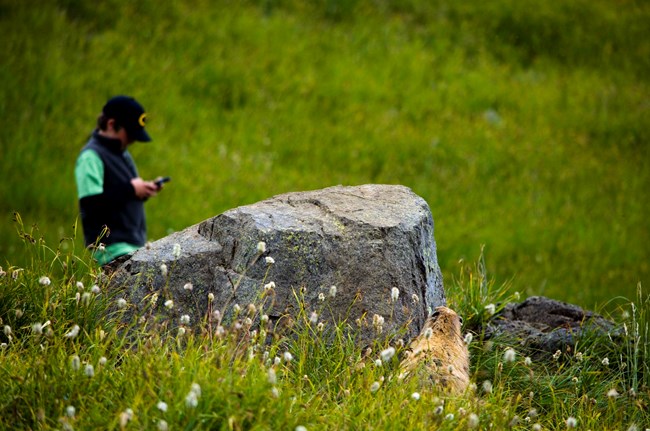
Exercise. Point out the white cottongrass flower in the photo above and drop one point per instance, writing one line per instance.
(487, 387)
(95, 289)
(252, 309)
(387, 354)
(378, 363)
(272, 376)
(537, 427)
(85, 298)
(192, 398)
(394, 294)
(75, 363)
(37, 328)
(557, 354)
(270, 285)
(163, 269)
(125, 417)
(300, 428)
(162, 406)
(321, 297)
(313, 318)
(7, 330)
(185, 319)
(428, 333)
(236, 308)
(332, 291)
(528, 362)
(275, 393)
(169, 304)
(162, 425)
(210, 297)
(73, 332)
(70, 411)
(612, 393)
(415, 396)
(605, 362)
(438, 410)
(80, 285)
(44, 281)
(89, 370)
(121, 303)
(415, 298)
(269, 260)
(277, 361)
(181, 331)
(449, 417)
(176, 251)
(468, 338)
(491, 309)
(472, 420)
(288, 357)
(378, 323)
(571, 422)
(509, 355)
(102, 361)
(579, 356)
(374, 387)
(261, 247)
(188, 286)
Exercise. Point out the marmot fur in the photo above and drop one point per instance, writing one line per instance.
(439, 356)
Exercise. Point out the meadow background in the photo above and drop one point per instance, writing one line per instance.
(525, 125)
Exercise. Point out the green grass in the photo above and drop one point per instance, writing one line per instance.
(116, 372)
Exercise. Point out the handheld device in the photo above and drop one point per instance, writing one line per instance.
(160, 181)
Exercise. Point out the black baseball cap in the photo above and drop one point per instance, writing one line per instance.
(128, 113)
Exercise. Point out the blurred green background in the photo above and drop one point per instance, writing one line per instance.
(524, 124)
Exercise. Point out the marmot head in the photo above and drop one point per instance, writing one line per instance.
(444, 322)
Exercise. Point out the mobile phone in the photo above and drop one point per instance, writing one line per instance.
(159, 182)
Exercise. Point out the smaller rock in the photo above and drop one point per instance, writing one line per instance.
(545, 325)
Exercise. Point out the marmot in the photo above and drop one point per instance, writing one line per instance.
(439, 356)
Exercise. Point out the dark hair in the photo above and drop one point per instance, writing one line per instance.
(102, 122)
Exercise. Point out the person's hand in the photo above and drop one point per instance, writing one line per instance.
(144, 189)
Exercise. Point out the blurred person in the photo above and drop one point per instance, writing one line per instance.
(110, 191)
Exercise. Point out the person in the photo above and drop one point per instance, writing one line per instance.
(110, 191)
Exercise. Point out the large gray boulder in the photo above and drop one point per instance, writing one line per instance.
(365, 240)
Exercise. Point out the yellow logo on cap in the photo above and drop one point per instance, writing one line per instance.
(143, 119)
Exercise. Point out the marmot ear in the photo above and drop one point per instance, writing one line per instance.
(435, 314)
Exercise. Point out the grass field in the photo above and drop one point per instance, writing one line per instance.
(70, 359)
(524, 126)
